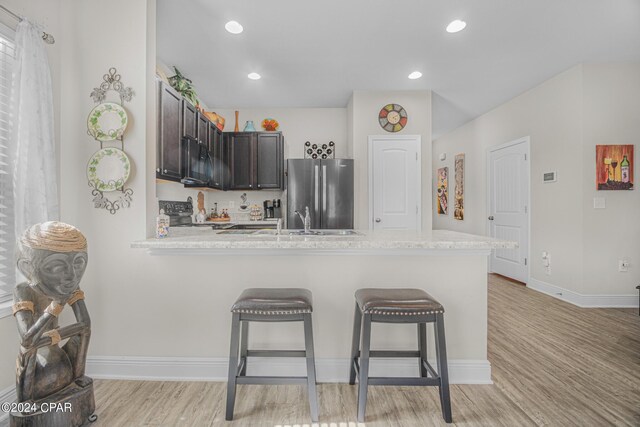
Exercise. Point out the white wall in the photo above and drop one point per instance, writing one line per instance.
(45, 13)
(364, 108)
(611, 109)
(317, 125)
(565, 117)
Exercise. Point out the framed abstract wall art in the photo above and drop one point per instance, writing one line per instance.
(443, 191)
(458, 207)
(614, 167)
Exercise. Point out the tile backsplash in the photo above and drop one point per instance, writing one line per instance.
(176, 191)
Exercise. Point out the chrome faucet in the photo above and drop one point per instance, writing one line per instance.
(306, 219)
(279, 226)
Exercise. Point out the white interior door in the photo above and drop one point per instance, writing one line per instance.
(394, 182)
(508, 207)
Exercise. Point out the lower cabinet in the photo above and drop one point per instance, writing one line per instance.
(256, 160)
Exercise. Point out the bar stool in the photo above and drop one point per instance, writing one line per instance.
(270, 305)
(398, 306)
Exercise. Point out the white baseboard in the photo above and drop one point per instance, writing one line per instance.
(7, 395)
(215, 369)
(585, 301)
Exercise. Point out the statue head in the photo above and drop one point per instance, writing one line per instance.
(53, 257)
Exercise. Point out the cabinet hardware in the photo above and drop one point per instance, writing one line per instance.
(158, 170)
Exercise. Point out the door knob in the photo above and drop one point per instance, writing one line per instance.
(378, 220)
(491, 218)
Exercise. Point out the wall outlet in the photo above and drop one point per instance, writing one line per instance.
(599, 203)
(232, 204)
(546, 262)
(623, 265)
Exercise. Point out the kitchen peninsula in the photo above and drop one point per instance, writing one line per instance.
(450, 266)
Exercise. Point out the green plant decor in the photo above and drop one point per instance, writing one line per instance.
(185, 86)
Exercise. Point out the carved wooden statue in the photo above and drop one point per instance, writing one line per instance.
(51, 385)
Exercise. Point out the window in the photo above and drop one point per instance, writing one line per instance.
(7, 234)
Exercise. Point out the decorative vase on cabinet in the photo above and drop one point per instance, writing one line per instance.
(248, 127)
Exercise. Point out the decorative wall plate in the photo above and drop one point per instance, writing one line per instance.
(107, 121)
(392, 117)
(108, 169)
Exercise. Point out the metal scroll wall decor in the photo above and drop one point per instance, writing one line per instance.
(109, 168)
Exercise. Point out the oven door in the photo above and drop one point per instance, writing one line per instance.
(196, 162)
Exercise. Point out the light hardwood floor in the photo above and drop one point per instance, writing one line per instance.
(553, 364)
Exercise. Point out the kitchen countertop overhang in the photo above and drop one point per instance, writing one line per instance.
(186, 241)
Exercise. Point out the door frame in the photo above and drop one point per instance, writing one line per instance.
(522, 140)
(398, 138)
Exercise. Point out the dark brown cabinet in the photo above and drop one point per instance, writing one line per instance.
(169, 133)
(256, 160)
(241, 150)
(189, 120)
(238, 160)
(218, 161)
(269, 161)
(203, 129)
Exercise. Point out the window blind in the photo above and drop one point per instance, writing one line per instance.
(7, 233)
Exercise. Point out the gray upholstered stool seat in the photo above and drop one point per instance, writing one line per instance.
(397, 302)
(270, 305)
(274, 301)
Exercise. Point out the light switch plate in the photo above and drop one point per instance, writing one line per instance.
(599, 203)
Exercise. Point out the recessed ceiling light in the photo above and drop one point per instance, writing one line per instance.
(456, 26)
(415, 75)
(254, 76)
(233, 27)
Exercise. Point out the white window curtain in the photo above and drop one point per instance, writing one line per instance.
(7, 233)
(35, 178)
(27, 143)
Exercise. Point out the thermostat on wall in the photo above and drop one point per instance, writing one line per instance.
(549, 177)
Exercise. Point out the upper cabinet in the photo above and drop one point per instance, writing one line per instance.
(169, 133)
(241, 150)
(218, 161)
(189, 120)
(269, 161)
(256, 160)
(237, 160)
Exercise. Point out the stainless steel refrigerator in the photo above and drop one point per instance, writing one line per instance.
(326, 186)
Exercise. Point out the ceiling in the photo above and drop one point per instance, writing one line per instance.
(315, 53)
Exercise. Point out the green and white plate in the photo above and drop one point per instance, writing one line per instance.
(107, 121)
(108, 169)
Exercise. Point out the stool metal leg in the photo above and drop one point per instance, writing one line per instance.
(244, 346)
(364, 367)
(233, 365)
(441, 354)
(311, 367)
(422, 347)
(355, 343)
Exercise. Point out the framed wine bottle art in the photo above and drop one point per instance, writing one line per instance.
(614, 167)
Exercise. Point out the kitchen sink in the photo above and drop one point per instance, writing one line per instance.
(324, 233)
(338, 233)
(236, 232)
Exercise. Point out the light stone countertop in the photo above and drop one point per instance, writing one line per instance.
(204, 238)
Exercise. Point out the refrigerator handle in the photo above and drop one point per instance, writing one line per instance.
(324, 189)
(317, 181)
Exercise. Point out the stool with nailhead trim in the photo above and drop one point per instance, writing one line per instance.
(398, 306)
(270, 305)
